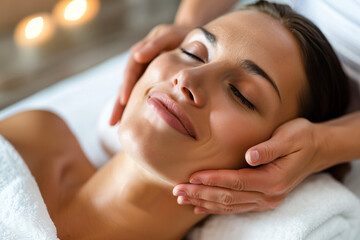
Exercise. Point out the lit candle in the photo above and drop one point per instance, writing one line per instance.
(69, 13)
(34, 30)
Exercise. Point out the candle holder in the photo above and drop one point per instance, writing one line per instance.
(72, 13)
(34, 30)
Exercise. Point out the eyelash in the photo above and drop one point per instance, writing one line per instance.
(235, 91)
(192, 55)
(246, 102)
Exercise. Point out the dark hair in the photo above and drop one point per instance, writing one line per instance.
(327, 95)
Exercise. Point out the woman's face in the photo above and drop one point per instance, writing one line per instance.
(203, 105)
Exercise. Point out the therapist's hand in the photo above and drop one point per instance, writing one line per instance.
(287, 158)
(161, 38)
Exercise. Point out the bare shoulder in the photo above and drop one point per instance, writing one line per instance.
(42, 138)
(51, 152)
(38, 129)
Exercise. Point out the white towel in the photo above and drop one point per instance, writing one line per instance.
(319, 208)
(23, 214)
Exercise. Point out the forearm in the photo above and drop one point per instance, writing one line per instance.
(193, 13)
(341, 140)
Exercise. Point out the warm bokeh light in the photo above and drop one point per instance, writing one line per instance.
(69, 13)
(34, 30)
(34, 27)
(75, 10)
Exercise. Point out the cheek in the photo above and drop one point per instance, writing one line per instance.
(232, 137)
(162, 68)
(156, 147)
(235, 131)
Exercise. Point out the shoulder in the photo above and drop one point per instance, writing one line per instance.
(42, 138)
(51, 152)
(37, 119)
(38, 129)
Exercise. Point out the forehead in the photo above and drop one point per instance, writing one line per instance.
(249, 30)
(248, 34)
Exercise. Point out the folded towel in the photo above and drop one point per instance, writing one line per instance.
(23, 214)
(319, 208)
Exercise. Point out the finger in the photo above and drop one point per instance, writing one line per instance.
(219, 195)
(269, 150)
(148, 52)
(245, 179)
(117, 112)
(236, 210)
(155, 47)
(133, 72)
(137, 46)
(213, 207)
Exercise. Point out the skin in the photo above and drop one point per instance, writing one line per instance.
(165, 37)
(221, 120)
(136, 185)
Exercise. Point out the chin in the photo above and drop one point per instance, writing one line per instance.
(156, 151)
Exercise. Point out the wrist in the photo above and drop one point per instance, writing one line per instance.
(323, 135)
(188, 20)
(194, 13)
(334, 144)
(185, 16)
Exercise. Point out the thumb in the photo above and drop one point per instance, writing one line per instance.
(266, 152)
(155, 46)
(116, 112)
(151, 49)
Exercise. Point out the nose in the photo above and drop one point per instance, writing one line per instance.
(190, 85)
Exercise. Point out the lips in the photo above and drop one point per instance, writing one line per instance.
(171, 113)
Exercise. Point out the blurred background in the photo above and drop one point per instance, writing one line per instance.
(45, 41)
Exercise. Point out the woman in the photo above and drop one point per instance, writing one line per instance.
(298, 148)
(230, 84)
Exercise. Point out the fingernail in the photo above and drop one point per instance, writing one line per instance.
(195, 181)
(183, 201)
(138, 54)
(124, 99)
(180, 193)
(252, 156)
(143, 50)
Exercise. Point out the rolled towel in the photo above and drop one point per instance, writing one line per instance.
(320, 208)
(23, 213)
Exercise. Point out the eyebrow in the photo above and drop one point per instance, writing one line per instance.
(246, 64)
(209, 36)
(253, 68)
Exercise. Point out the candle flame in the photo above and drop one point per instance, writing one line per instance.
(75, 10)
(34, 28)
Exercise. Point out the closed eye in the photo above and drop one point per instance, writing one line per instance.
(192, 55)
(244, 101)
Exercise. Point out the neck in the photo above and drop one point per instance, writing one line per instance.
(124, 199)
